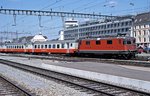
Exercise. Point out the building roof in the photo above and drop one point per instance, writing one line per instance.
(38, 37)
(142, 18)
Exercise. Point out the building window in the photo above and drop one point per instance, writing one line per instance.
(109, 41)
(127, 29)
(98, 42)
(139, 32)
(126, 23)
(144, 39)
(139, 39)
(144, 32)
(122, 24)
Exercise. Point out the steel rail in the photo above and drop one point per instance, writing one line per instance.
(19, 88)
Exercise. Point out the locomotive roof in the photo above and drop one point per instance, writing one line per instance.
(108, 38)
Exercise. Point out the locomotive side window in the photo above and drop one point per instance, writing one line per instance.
(119, 41)
(109, 41)
(98, 42)
(87, 42)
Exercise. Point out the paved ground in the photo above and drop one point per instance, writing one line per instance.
(140, 73)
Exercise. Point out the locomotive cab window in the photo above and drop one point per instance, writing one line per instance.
(98, 42)
(38, 46)
(87, 42)
(109, 41)
(126, 42)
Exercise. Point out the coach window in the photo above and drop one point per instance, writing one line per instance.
(58, 46)
(62, 46)
(38, 46)
(49, 46)
(109, 41)
(42, 46)
(45, 46)
(71, 45)
(54, 46)
(35, 46)
(98, 42)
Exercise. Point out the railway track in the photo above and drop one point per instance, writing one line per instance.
(92, 87)
(9, 88)
(83, 59)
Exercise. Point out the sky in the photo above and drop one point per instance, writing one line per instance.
(29, 25)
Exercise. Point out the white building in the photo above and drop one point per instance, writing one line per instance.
(99, 28)
(38, 37)
(61, 35)
(71, 22)
(142, 29)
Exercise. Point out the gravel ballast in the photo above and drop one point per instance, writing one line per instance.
(39, 85)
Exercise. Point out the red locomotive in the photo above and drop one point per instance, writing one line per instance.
(120, 46)
(113, 46)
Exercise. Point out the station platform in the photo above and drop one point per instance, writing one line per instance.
(121, 75)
